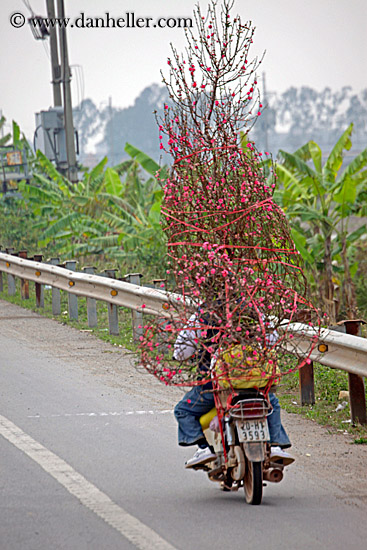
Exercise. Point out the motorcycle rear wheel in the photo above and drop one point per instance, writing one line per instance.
(253, 482)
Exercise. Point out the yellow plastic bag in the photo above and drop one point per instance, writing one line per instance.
(206, 418)
(249, 373)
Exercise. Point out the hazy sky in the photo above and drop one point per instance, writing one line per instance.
(317, 43)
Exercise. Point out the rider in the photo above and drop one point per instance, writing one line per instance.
(200, 400)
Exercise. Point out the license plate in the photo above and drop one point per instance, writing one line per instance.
(252, 430)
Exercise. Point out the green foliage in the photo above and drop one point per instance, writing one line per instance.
(9, 143)
(17, 223)
(328, 384)
(320, 201)
(18, 228)
(361, 277)
(111, 212)
(146, 162)
(5, 139)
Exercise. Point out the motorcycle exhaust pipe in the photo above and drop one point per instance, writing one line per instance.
(273, 475)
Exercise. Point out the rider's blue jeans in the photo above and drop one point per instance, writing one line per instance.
(197, 402)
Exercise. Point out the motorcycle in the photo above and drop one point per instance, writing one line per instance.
(237, 429)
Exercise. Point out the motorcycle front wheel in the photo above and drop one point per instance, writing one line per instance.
(253, 482)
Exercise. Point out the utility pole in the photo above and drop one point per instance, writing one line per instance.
(68, 113)
(2, 126)
(56, 88)
(57, 128)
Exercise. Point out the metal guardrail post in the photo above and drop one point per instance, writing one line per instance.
(72, 298)
(306, 373)
(56, 294)
(11, 278)
(137, 316)
(160, 283)
(357, 396)
(91, 302)
(115, 291)
(40, 297)
(113, 314)
(24, 283)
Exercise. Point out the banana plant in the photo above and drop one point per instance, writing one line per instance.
(135, 215)
(320, 199)
(6, 138)
(111, 211)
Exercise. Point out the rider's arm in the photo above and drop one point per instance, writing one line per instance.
(186, 342)
(272, 335)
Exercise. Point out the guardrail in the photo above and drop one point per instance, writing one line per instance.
(335, 349)
(339, 350)
(99, 287)
(106, 288)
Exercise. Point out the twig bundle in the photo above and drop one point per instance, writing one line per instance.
(231, 253)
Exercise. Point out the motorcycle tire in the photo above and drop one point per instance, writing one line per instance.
(253, 482)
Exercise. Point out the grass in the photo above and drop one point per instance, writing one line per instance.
(328, 382)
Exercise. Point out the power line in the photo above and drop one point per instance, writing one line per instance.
(29, 7)
(79, 80)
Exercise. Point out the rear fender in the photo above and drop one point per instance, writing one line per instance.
(254, 451)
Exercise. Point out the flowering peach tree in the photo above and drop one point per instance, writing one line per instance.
(237, 275)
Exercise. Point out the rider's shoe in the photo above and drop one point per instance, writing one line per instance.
(202, 456)
(281, 456)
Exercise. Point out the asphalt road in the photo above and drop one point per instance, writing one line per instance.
(87, 465)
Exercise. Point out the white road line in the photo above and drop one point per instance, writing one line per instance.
(93, 414)
(89, 495)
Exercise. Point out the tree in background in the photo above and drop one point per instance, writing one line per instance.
(136, 124)
(305, 114)
(88, 120)
(287, 121)
(112, 127)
